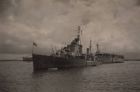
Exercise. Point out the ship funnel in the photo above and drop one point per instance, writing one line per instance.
(98, 50)
(88, 52)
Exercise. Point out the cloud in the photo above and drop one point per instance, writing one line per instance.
(114, 24)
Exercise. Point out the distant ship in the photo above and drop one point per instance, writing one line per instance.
(108, 57)
(70, 56)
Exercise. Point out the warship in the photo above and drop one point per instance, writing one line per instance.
(105, 58)
(69, 56)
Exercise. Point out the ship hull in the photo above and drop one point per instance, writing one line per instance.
(109, 58)
(43, 62)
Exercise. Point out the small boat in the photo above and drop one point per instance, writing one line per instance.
(27, 58)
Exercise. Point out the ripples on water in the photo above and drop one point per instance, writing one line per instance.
(19, 77)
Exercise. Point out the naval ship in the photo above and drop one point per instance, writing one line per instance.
(69, 56)
(106, 58)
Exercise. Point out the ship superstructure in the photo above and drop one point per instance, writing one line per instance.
(73, 49)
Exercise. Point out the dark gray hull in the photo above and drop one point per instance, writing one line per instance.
(42, 62)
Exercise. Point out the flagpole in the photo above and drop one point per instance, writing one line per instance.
(32, 47)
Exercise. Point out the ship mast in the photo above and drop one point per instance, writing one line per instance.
(79, 34)
(90, 46)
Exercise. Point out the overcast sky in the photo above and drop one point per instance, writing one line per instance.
(114, 24)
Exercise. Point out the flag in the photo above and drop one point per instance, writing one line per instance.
(34, 44)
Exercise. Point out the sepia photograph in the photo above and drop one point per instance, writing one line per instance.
(69, 46)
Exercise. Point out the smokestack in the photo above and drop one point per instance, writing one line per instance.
(98, 51)
(87, 51)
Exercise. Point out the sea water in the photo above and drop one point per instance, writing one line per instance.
(18, 76)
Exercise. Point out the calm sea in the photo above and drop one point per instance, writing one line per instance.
(17, 76)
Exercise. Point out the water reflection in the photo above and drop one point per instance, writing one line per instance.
(58, 81)
(19, 77)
